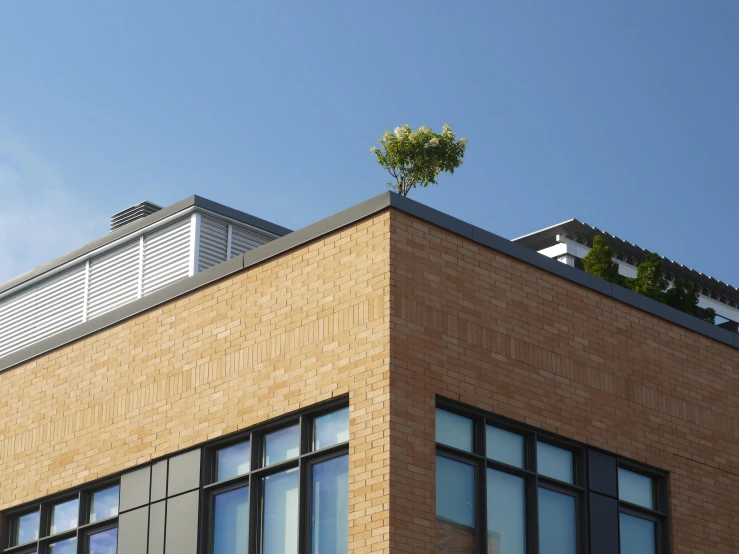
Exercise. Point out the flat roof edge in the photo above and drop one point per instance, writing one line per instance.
(347, 217)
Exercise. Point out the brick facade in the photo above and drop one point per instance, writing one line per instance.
(301, 328)
(477, 326)
(392, 311)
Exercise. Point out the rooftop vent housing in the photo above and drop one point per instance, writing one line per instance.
(134, 213)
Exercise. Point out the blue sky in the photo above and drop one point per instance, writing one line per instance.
(623, 114)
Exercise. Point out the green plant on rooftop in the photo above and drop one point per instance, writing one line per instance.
(416, 158)
(600, 262)
(650, 281)
(684, 296)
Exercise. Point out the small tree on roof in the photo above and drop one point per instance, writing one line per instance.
(649, 281)
(599, 261)
(416, 158)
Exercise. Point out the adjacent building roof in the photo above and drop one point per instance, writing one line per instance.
(630, 253)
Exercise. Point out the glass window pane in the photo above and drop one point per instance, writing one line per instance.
(64, 516)
(104, 504)
(454, 430)
(104, 542)
(280, 515)
(233, 461)
(282, 445)
(557, 531)
(330, 507)
(455, 506)
(506, 513)
(554, 462)
(331, 429)
(635, 488)
(637, 535)
(504, 446)
(231, 522)
(68, 546)
(26, 528)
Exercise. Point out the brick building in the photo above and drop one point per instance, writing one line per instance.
(390, 379)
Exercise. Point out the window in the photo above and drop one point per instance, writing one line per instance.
(507, 488)
(282, 489)
(88, 518)
(639, 522)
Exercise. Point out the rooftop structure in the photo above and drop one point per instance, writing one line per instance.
(147, 249)
(570, 241)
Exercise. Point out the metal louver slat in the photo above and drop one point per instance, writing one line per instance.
(243, 240)
(114, 279)
(213, 242)
(46, 308)
(136, 266)
(166, 255)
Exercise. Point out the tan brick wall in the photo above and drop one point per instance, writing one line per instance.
(390, 310)
(301, 328)
(477, 326)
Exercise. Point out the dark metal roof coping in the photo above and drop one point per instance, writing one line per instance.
(347, 217)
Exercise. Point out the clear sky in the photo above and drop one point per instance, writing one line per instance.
(622, 113)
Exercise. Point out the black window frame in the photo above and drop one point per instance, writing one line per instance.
(303, 462)
(658, 514)
(533, 480)
(208, 488)
(45, 506)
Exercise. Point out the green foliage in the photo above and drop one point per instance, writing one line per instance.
(416, 158)
(599, 262)
(649, 280)
(709, 315)
(682, 296)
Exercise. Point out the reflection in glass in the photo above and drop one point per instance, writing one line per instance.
(554, 462)
(504, 446)
(454, 430)
(68, 546)
(556, 523)
(637, 535)
(64, 516)
(506, 513)
(26, 529)
(231, 522)
(282, 445)
(233, 461)
(330, 507)
(104, 542)
(280, 517)
(635, 488)
(104, 504)
(331, 429)
(455, 506)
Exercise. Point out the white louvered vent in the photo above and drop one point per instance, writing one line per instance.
(243, 240)
(139, 266)
(213, 242)
(42, 310)
(114, 279)
(166, 255)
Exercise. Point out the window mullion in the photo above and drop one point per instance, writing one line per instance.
(303, 503)
(532, 512)
(255, 510)
(481, 516)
